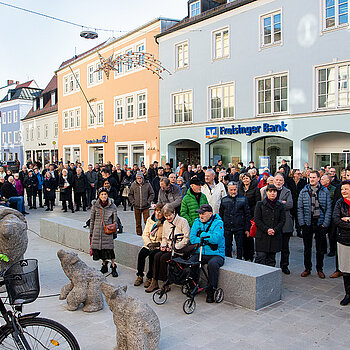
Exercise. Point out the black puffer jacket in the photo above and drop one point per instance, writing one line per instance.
(341, 210)
(235, 213)
(266, 216)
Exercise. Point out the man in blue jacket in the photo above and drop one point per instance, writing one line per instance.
(213, 253)
(314, 215)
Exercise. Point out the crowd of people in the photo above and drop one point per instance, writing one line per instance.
(259, 212)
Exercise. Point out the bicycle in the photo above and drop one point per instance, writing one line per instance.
(28, 331)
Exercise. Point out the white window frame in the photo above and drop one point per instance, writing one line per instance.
(38, 135)
(195, 6)
(4, 137)
(336, 15)
(118, 109)
(53, 98)
(129, 67)
(222, 87)
(55, 130)
(31, 133)
(272, 102)
(336, 86)
(100, 113)
(27, 134)
(214, 48)
(16, 137)
(180, 62)
(69, 119)
(70, 85)
(46, 131)
(41, 102)
(143, 102)
(129, 145)
(96, 122)
(130, 107)
(182, 93)
(4, 116)
(9, 138)
(262, 33)
(97, 76)
(9, 117)
(15, 116)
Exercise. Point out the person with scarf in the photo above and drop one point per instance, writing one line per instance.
(65, 182)
(103, 213)
(314, 215)
(269, 217)
(341, 218)
(152, 237)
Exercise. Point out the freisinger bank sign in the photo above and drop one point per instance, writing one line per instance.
(212, 132)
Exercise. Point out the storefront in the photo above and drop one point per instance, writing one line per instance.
(318, 140)
(130, 153)
(71, 153)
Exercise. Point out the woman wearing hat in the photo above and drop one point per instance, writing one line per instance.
(103, 213)
(269, 217)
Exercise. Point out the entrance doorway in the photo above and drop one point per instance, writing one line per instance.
(187, 152)
(96, 154)
(274, 148)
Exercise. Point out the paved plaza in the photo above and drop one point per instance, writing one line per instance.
(308, 317)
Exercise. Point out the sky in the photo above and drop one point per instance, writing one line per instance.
(33, 47)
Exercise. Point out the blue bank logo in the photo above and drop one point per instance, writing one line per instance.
(212, 132)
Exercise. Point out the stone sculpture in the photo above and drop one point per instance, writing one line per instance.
(84, 287)
(137, 324)
(13, 234)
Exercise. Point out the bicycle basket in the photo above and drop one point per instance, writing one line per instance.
(22, 282)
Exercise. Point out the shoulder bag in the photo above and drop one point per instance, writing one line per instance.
(108, 229)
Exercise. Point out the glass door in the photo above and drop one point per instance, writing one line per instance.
(338, 161)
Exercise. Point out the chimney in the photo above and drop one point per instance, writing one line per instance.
(9, 82)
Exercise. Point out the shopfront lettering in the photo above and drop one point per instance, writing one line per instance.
(249, 130)
(104, 139)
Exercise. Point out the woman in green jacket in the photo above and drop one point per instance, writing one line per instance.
(193, 200)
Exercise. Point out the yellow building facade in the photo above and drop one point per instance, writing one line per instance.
(123, 127)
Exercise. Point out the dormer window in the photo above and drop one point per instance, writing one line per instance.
(41, 102)
(195, 8)
(53, 98)
(34, 105)
(9, 96)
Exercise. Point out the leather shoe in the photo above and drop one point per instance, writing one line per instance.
(346, 300)
(305, 273)
(321, 274)
(285, 270)
(330, 254)
(336, 274)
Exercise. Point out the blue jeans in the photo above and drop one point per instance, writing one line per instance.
(19, 202)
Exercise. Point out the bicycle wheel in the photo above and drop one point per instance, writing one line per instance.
(41, 334)
(160, 297)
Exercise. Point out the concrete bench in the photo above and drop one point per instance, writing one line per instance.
(247, 284)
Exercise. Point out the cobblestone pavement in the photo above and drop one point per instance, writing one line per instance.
(308, 317)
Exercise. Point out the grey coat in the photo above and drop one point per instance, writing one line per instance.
(141, 196)
(99, 239)
(173, 196)
(286, 195)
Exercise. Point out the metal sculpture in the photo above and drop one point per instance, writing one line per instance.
(129, 60)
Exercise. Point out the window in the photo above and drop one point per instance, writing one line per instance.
(141, 101)
(77, 118)
(195, 8)
(221, 44)
(141, 48)
(122, 154)
(4, 117)
(32, 133)
(16, 137)
(336, 13)
(222, 101)
(9, 117)
(119, 66)
(91, 115)
(66, 88)
(41, 102)
(70, 84)
(333, 89)
(271, 29)
(77, 81)
(53, 98)
(182, 107)
(181, 55)
(272, 94)
(118, 109)
(65, 121)
(46, 131)
(9, 137)
(38, 132)
(130, 107)
(129, 65)
(3, 137)
(27, 134)
(100, 116)
(55, 130)
(99, 73)
(15, 116)
(95, 76)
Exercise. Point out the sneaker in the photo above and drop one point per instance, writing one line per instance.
(104, 268)
(147, 282)
(139, 281)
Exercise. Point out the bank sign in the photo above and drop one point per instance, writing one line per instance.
(212, 132)
(104, 139)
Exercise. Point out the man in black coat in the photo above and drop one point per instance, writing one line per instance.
(31, 186)
(269, 217)
(8, 191)
(156, 183)
(80, 186)
(235, 213)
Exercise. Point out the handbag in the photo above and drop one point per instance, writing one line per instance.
(252, 231)
(108, 229)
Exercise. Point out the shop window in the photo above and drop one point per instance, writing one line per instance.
(39, 156)
(182, 107)
(229, 151)
(46, 157)
(67, 154)
(28, 155)
(271, 29)
(222, 101)
(76, 154)
(272, 94)
(122, 154)
(138, 154)
(272, 147)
